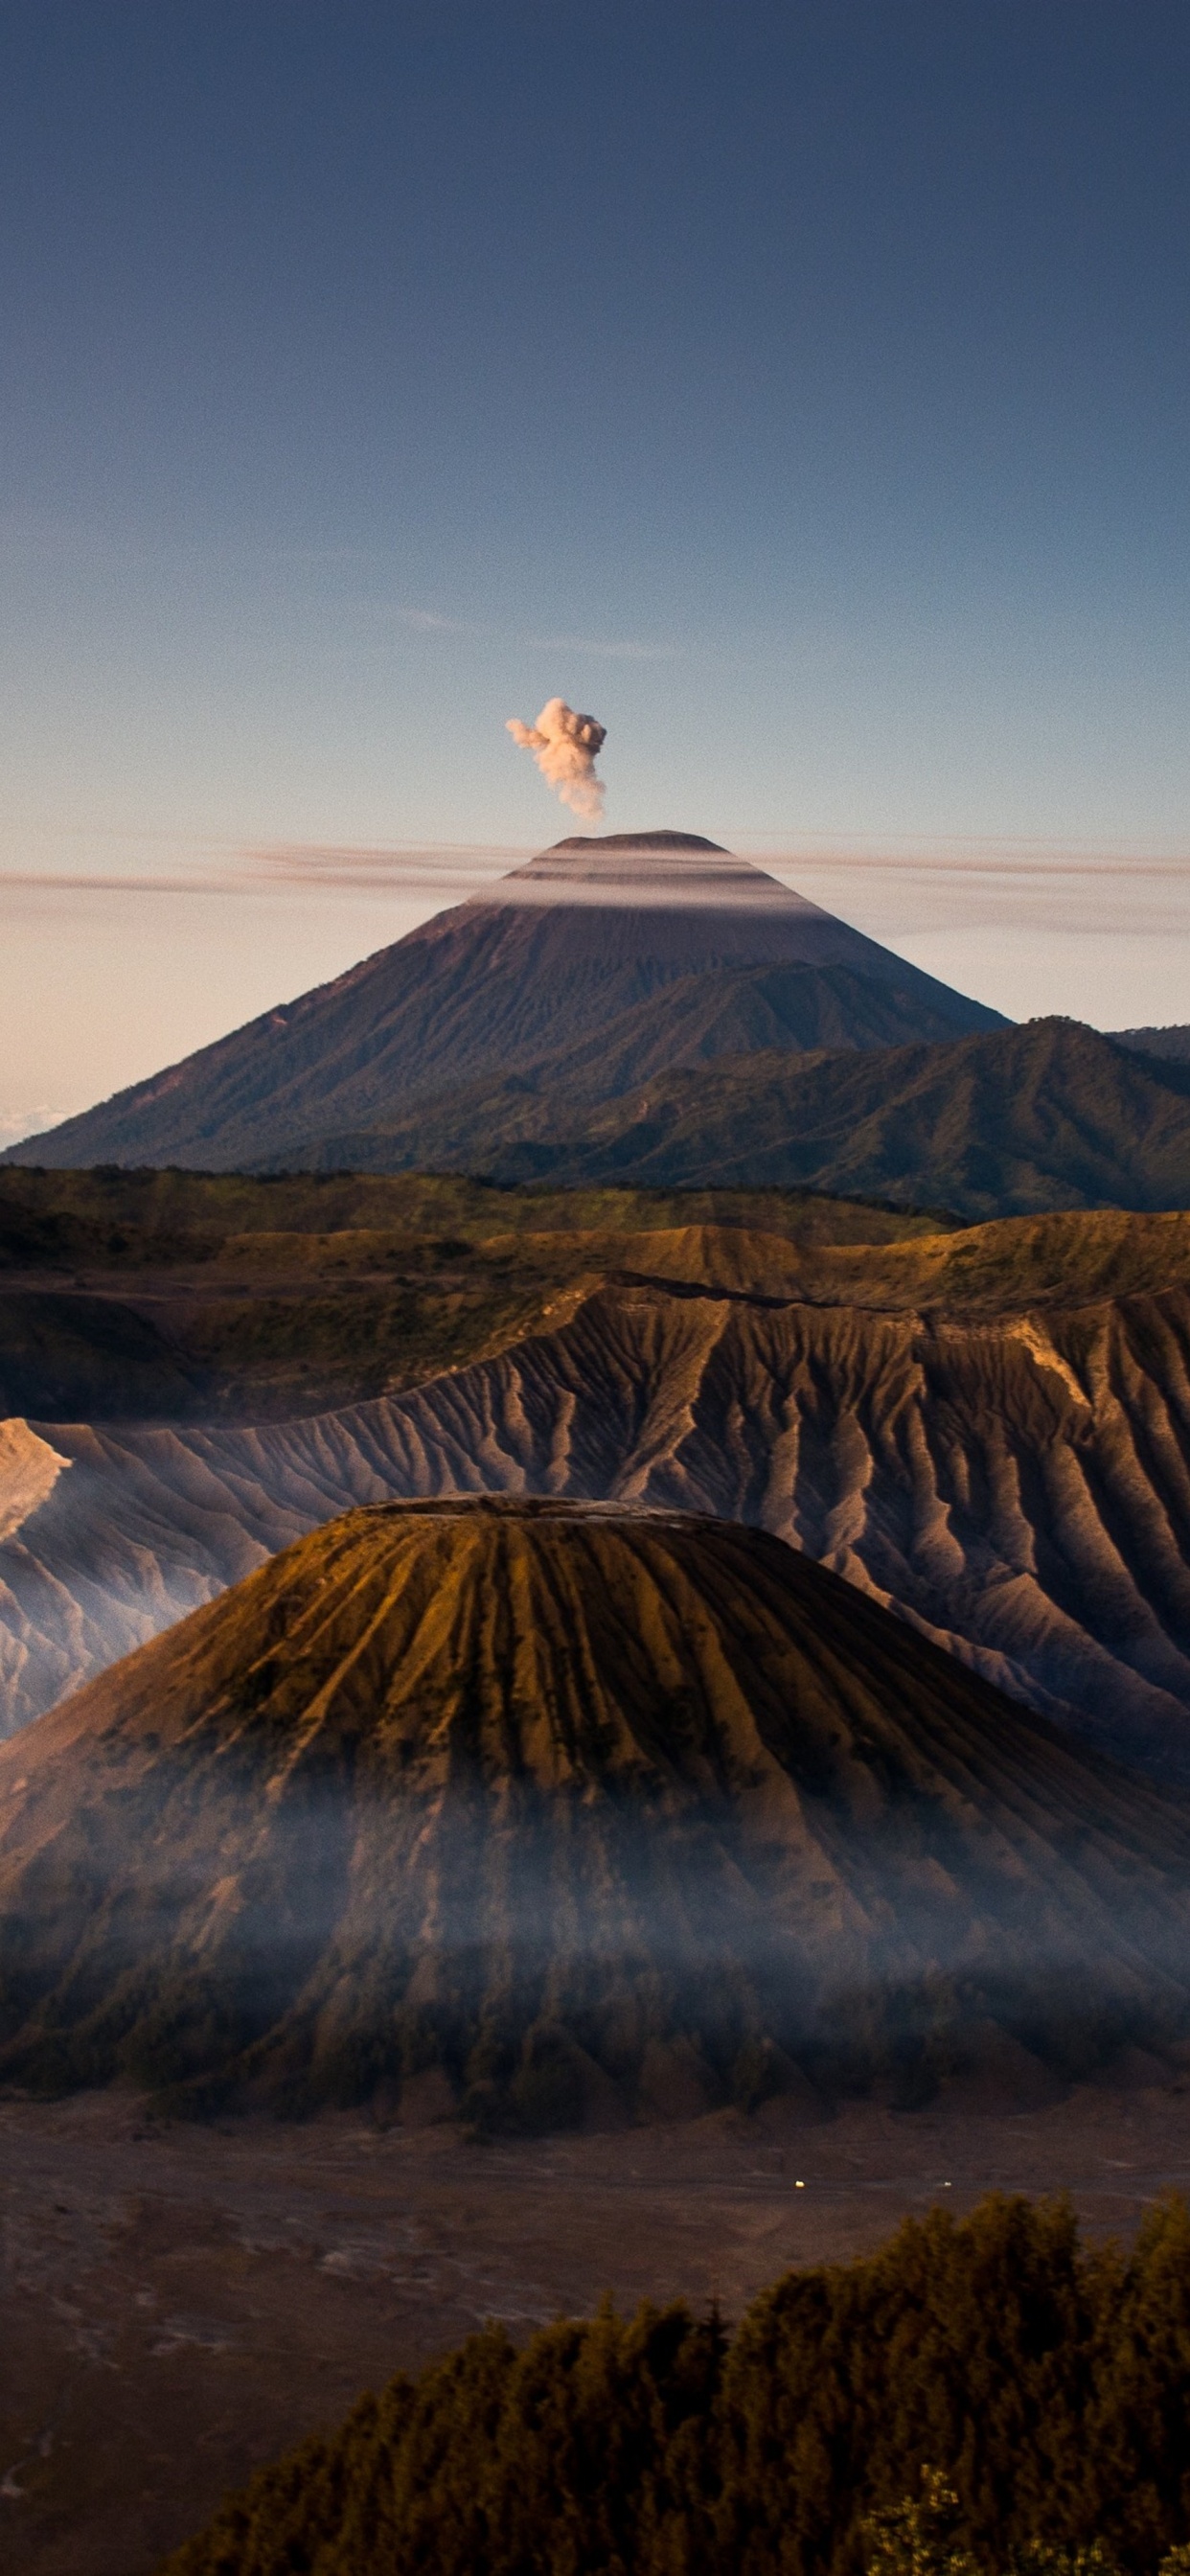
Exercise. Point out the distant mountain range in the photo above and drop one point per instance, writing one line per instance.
(1172, 1043)
(624, 956)
(1012, 1123)
(557, 1814)
(656, 1012)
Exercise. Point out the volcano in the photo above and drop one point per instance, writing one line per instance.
(585, 937)
(552, 1811)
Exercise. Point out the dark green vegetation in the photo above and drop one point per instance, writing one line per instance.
(921, 2537)
(569, 955)
(131, 1219)
(586, 1814)
(171, 1295)
(168, 1294)
(1048, 2385)
(1047, 1116)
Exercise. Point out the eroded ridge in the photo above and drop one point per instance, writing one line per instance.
(1017, 1487)
(582, 1810)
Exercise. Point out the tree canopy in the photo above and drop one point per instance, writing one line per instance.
(1041, 2386)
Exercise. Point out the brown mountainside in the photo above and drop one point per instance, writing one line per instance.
(215, 1297)
(989, 1430)
(569, 1812)
(1171, 1042)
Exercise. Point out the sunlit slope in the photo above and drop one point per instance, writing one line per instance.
(170, 1296)
(555, 1799)
(112, 1218)
(950, 1423)
(176, 1295)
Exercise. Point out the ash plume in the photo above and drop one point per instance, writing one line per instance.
(565, 747)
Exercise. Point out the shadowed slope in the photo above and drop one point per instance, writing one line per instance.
(585, 932)
(551, 1800)
(1048, 1116)
(1173, 1043)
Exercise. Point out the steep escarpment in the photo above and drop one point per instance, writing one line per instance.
(583, 1810)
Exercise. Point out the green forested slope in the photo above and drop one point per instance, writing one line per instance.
(132, 1219)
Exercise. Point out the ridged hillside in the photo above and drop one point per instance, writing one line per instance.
(585, 1812)
(989, 1429)
(587, 932)
(1173, 1042)
(216, 1297)
(1047, 1116)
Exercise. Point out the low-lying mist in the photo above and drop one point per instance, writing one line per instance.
(490, 1785)
(550, 1958)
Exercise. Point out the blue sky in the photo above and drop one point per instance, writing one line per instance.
(801, 389)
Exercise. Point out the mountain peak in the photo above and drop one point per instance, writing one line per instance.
(633, 841)
(493, 1781)
(541, 962)
(673, 871)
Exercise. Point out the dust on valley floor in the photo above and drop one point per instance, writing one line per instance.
(182, 2303)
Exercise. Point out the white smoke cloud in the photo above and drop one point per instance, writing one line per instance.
(565, 746)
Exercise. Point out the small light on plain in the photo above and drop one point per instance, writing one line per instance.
(799, 2186)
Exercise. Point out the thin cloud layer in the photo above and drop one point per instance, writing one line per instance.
(958, 885)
